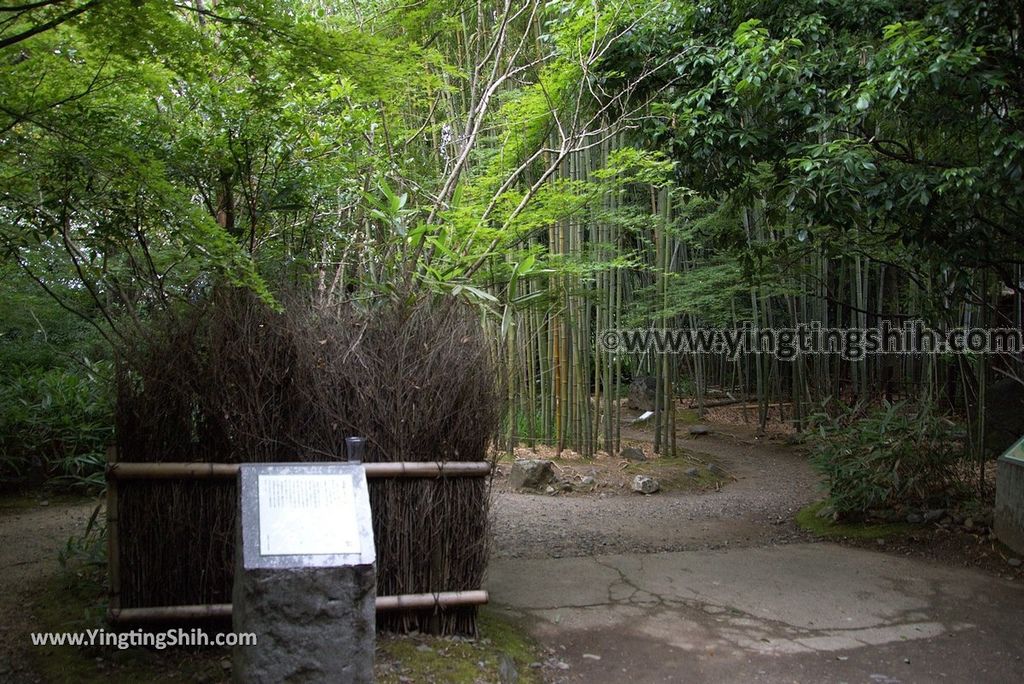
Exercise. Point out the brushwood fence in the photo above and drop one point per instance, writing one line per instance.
(175, 560)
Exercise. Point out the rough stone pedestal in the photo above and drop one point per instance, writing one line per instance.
(1009, 510)
(305, 574)
(311, 624)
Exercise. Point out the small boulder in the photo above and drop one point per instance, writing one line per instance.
(915, 518)
(588, 481)
(878, 514)
(531, 473)
(693, 472)
(633, 454)
(699, 430)
(933, 515)
(1014, 562)
(826, 512)
(645, 484)
(642, 392)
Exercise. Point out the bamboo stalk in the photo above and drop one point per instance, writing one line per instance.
(620, 284)
(443, 599)
(202, 471)
(113, 538)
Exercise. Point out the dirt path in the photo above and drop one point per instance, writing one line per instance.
(32, 533)
(756, 508)
(771, 484)
(671, 587)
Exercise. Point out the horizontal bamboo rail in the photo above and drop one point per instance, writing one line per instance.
(169, 613)
(203, 471)
(444, 599)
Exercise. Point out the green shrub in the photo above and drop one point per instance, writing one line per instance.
(83, 560)
(56, 424)
(895, 455)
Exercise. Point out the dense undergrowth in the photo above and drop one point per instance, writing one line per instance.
(56, 398)
(890, 456)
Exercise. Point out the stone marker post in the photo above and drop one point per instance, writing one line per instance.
(305, 574)
(1009, 509)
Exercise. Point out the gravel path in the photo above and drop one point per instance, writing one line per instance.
(772, 482)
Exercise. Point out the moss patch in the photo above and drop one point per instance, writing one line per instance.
(808, 520)
(421, 658)
(66, 606)
(687, 416)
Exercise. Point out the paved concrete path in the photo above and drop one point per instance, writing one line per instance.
(789, 613)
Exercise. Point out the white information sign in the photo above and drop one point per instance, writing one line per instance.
(307, 515)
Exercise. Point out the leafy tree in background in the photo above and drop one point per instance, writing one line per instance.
(567, 165)
(900, 120)
(152, 152)
(149, 152)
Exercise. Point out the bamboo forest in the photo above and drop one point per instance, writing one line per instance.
(511, 340)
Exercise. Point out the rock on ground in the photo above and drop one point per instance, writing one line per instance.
(531, 474)
(633, 454)
(645, 484)
(642, 392)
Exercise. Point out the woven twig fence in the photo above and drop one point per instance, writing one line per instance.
(233, 381)
(123, 477)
